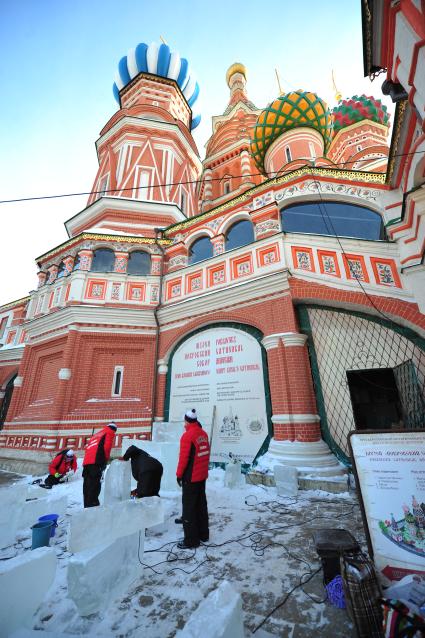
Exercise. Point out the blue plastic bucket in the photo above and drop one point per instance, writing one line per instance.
(41, 534)
(53, 518)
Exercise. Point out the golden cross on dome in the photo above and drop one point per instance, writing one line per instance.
(278, 82)
(162, 39)
(338, 94)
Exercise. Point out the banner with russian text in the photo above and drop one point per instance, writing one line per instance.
(219, 372)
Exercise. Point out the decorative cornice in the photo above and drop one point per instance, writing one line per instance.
(293, 339)
(351, 176)
(271, 341)
(130, 239)
(295, 418)
(12, 304)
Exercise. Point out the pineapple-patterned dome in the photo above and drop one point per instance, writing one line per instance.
(358, 108)
(293, 110)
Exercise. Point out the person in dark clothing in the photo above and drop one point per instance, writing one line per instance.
(97, 454)
(146, 470)
(192, 472)
(63, 463)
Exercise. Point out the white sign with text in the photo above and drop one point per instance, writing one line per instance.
(219, 372)
(391, 473)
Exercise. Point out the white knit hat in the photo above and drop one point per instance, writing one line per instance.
(191, 416)
(70, 453)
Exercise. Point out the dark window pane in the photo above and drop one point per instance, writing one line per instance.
(103, 260)
(200, 249)
(77, 263)
(62, 270)
(139, 263)
(333, 218)
(117, 385)
(239, 234)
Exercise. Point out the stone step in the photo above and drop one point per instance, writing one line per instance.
(333, 484)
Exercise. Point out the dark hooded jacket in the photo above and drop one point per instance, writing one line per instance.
(141, 462)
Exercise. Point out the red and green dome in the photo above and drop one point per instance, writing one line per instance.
(293, 110)
(358, 108)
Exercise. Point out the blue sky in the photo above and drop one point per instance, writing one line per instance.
(58, 60)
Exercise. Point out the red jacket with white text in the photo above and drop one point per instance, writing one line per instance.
(194, 454)
(99, 447)
(62, 464)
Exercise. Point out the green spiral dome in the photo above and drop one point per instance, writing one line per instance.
(289, 111)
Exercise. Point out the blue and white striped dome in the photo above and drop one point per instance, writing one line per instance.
(159, 60)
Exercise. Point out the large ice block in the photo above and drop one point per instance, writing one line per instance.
(12, 499)
(233, 476)
(286, 479)
(218, 616)
(30, 511)
(95, 526)
(24, 582)
(167, 431)
(98, 576)
(117, 483)
(166, 452)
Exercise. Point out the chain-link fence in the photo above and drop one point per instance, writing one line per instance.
(340, 341)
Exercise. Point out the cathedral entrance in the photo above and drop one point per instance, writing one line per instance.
(222, 372)
(375, 399)
(368, 373)
(6, 400)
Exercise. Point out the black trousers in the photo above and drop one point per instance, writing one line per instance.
(52, 480)
(149, 483)
(195, 513)
(92, 475)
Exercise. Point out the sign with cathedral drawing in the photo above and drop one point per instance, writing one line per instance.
(219, 371)
(390, 467)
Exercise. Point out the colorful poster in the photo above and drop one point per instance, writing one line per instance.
(219, 371)
(391, 475)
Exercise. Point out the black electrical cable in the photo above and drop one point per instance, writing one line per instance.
(193, 181)
(290, 592)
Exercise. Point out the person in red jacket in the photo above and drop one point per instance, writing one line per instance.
(192, 473)
(96, 456)
(63, 463)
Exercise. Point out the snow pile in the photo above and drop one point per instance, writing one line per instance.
(260, 543)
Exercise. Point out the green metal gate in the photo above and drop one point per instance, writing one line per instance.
(340, 340)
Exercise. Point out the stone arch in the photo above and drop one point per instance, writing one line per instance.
(6, 391)
(251, 337)
(229, 221)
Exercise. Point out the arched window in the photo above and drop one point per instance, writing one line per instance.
(139, 263)
(103, 260)
(77, 263)
(239, 234)
(333, 218)
(226, 188)
(201, 249)
(62, 270)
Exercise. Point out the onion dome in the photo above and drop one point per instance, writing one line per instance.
(162, 61)
(289, 111)
(237, 67)
(358, 108)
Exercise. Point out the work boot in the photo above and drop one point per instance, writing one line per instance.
(179, 521)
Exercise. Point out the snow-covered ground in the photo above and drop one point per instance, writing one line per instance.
(259, 542)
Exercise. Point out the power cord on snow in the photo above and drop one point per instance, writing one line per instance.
(258, 543)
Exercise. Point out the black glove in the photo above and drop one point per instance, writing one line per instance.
(179, 481)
